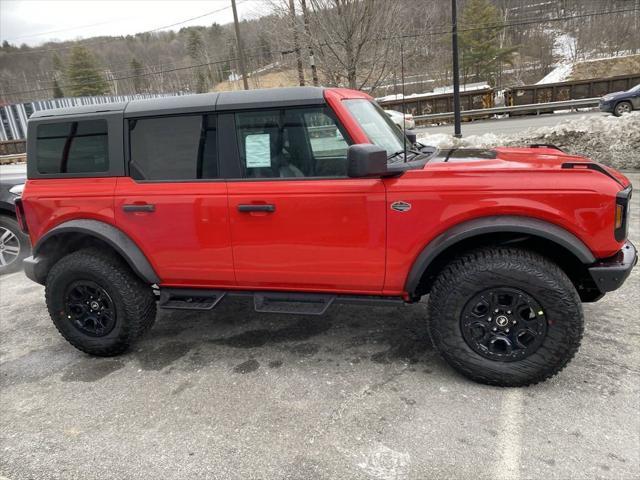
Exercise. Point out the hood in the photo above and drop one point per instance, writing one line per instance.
(540, 157)
(503, 157)
(611, 95)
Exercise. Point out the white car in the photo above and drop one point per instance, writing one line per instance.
(396, 117)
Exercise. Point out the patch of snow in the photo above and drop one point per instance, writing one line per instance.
(384, 463)
(565, 46)
(613, 141)
(559, 74)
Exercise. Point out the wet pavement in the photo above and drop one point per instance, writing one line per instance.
(356, 394)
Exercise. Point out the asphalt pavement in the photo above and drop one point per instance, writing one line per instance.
(509, 125)
(357, 394)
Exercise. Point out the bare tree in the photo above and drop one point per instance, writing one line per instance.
(348, 36)
(296, 41)
(307, 31)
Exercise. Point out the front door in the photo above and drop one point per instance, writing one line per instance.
(297, 221)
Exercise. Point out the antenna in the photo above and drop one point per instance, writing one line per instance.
(404, 121)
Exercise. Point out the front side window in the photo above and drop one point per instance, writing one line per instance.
(72, 147)
(181, 147)
(377, 125)
(291, 143)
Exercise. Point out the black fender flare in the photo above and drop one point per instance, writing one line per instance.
(111, 235)
(495, 224)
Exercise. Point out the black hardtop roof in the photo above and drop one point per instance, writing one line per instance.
(222, 101)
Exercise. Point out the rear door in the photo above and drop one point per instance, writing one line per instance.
(297, 221)
(173, 204)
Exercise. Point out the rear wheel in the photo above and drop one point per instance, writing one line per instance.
(14, 245)
(622, 108)
(505, 317)
(97, 304)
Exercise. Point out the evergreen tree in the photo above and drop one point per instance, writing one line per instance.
(83, 75)
(140, 84)
(58, 73)
(58, 64)
(57, 91)
(195, 45)
(198, 55)
(480, 43)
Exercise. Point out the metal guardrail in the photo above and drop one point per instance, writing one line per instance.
(9, 159)
(530, 108)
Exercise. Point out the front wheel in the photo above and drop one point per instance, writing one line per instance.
(505, 317)
(622, 108)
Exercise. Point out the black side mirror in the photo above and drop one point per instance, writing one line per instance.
(412, 136)
(365, 160)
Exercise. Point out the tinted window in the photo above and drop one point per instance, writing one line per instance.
(173, 148)
(72, 147)
(290, 143)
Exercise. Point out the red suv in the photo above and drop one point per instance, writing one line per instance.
(305, 197)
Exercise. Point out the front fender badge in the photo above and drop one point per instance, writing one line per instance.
(401, 206)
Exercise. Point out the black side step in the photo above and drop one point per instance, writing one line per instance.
(183, 299)
(268, 302)
(296, 303)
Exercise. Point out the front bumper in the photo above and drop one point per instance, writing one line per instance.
(610, 273)
(34, 269)
(606, 106)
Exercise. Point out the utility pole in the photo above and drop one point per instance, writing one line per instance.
(456, 70)
(307, 31)
(243, 70)
(296, 42)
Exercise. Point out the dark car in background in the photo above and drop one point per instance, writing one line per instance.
(621, 102)
(14, 244)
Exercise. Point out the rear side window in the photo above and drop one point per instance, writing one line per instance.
(173, 148)
(72, 147)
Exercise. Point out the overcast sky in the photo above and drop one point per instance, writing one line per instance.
(36, 21)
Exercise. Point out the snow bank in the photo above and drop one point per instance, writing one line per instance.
(558, 74)
(610, 140)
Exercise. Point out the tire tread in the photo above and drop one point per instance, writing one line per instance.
(550, 362)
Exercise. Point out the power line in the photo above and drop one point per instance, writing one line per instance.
(415, 35)
(120, 39)
(59, 31)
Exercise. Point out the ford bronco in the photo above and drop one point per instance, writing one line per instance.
(304, 197)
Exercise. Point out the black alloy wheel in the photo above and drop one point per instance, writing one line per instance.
(503, 324)
(89, 308)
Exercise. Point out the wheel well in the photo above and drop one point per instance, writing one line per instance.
(7, 213)
(565, 259)
(623, 101)
(58, 246)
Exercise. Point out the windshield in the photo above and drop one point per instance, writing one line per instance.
(377, 125)
(635, 89)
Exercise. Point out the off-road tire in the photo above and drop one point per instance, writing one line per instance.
(621, 108)
(134, 301)
(527, 271)
(10, 224)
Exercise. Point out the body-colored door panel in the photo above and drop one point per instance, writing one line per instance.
(186, 236)
(322, 235)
